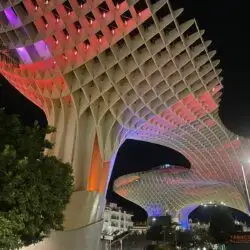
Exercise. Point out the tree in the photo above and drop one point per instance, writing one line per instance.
(184, 239)
(202, 238)
(221, 225)
(163, 231)
(34, 188)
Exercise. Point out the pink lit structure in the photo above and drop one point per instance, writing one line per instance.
(178, 191)
(105, 71)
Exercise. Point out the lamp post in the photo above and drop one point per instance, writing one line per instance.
(246, 187)
(121, 244)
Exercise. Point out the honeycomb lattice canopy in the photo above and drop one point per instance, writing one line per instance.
(173, 189)
(104, 71)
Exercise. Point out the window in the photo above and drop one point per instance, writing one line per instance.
(126, 16)
(67, 7)
(34, 2)
(140, 6)
(44, 20)
(112, 26)
(161, 13)
(66, 33)
(117, 2)
(103, 7)
(81, 2)
(55, 14)
(77, 25)
(90, 17)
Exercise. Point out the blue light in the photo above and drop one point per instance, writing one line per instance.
(154, 210)
(184, 214)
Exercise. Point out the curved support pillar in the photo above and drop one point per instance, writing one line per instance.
(78, 141)
(183, 216)
(84, 208)
(87, 238)
(83, 224)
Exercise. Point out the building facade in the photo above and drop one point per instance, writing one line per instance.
(105, 71)
(116, 221)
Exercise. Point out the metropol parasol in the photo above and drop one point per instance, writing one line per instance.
(177, 191)
(105, 71)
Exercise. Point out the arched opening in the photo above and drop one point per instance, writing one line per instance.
(136, 156)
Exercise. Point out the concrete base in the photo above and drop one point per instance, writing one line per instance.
(87, 238)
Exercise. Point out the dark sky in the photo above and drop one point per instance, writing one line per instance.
(226, 24)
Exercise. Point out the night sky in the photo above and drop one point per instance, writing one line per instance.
(226, 24)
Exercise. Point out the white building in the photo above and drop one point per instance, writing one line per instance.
(116, 221)
(203, 225)
(198, 225)
(245, 227)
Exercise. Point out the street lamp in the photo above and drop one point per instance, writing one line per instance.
(245, 182)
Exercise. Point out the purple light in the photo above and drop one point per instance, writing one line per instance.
(42, 50)
(24, 55)
(39, 47)
(12, 17)
(184, 215)
(154, 210)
